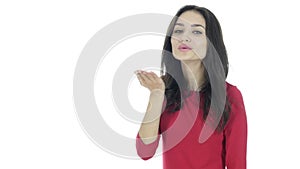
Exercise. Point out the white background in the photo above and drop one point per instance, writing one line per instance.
(42, 40)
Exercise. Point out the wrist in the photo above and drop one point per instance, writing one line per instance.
(157, 91)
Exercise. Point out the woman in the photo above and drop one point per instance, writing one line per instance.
(201, 117)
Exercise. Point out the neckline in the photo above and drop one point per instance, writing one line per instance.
(188, 92)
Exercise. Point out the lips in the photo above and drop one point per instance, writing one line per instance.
(184, 47)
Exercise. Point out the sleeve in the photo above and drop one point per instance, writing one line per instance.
(236, 132)
(146, 151)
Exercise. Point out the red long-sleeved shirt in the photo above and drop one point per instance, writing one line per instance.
(180, 134)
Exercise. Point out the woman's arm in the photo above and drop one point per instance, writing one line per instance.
(236, 132)
(149, 128)
(148, 136)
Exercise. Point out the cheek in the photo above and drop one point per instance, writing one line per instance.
(200, 47)
(174, 43)
(173, 40)
(199, 43)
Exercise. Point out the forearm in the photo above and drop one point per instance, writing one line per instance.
(150, 125)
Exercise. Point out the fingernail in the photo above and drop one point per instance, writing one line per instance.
(137, 71)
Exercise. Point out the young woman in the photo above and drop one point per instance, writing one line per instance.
(200, 116)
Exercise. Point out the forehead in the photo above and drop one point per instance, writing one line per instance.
(191, 17)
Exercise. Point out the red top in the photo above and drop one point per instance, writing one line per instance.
(181, 131)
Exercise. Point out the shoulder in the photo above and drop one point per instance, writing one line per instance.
(231, 88)
(233, 93)
(237, 107)
(235, 98)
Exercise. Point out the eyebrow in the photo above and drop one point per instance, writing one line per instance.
(193, 25)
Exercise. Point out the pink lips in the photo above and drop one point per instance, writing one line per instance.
(184, 48)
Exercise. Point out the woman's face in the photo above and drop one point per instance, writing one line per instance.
(189, 37)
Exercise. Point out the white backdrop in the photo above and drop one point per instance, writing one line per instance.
(42, 40)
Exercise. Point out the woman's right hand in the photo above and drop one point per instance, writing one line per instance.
(150, 80)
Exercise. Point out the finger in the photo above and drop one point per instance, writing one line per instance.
(154, 76)
(150, 76)
(157, 79)
(140, 78)
(144, 75)
(144, 80)
(137, 71)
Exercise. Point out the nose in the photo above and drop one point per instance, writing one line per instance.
(185, 39)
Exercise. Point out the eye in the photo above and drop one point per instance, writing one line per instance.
(197, 32)
(178, 31)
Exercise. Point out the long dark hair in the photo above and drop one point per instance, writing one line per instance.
(216, 51)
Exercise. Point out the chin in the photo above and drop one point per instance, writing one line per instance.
(186, 57)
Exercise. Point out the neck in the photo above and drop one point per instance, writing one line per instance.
(193, 72)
